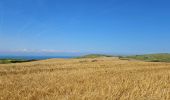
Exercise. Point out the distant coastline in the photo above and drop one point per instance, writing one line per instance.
(34, 57)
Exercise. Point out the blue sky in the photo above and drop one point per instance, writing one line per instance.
(84, 26)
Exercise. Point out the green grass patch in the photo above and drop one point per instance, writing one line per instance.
(162, 57)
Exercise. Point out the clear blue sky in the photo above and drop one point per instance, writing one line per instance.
(84, 26)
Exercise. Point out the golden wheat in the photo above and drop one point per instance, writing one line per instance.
(85, 79)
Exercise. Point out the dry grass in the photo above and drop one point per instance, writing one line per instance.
(85, 79)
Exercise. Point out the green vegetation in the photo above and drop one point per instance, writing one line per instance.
(95, 56)
(7, 61)
(162, 57)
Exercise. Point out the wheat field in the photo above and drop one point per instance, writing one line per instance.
(85, 79)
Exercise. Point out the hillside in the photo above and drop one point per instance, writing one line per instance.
(162, 57)
(107, 78)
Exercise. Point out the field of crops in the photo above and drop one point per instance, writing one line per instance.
(85, 79)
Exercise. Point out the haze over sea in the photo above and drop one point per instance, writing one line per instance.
(34, 57)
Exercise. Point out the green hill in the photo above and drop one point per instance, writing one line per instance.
(7, 61)
(162, 57)
(94, 56)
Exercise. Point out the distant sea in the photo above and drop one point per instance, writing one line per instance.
(34, 57)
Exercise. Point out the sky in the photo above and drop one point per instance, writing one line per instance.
(69, 27)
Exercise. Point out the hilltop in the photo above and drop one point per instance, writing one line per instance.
(94, 56)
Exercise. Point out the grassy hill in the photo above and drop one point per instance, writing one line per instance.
(94, 56)
(7, 61)
(162, 57)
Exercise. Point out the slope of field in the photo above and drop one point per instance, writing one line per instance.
(85, 79)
